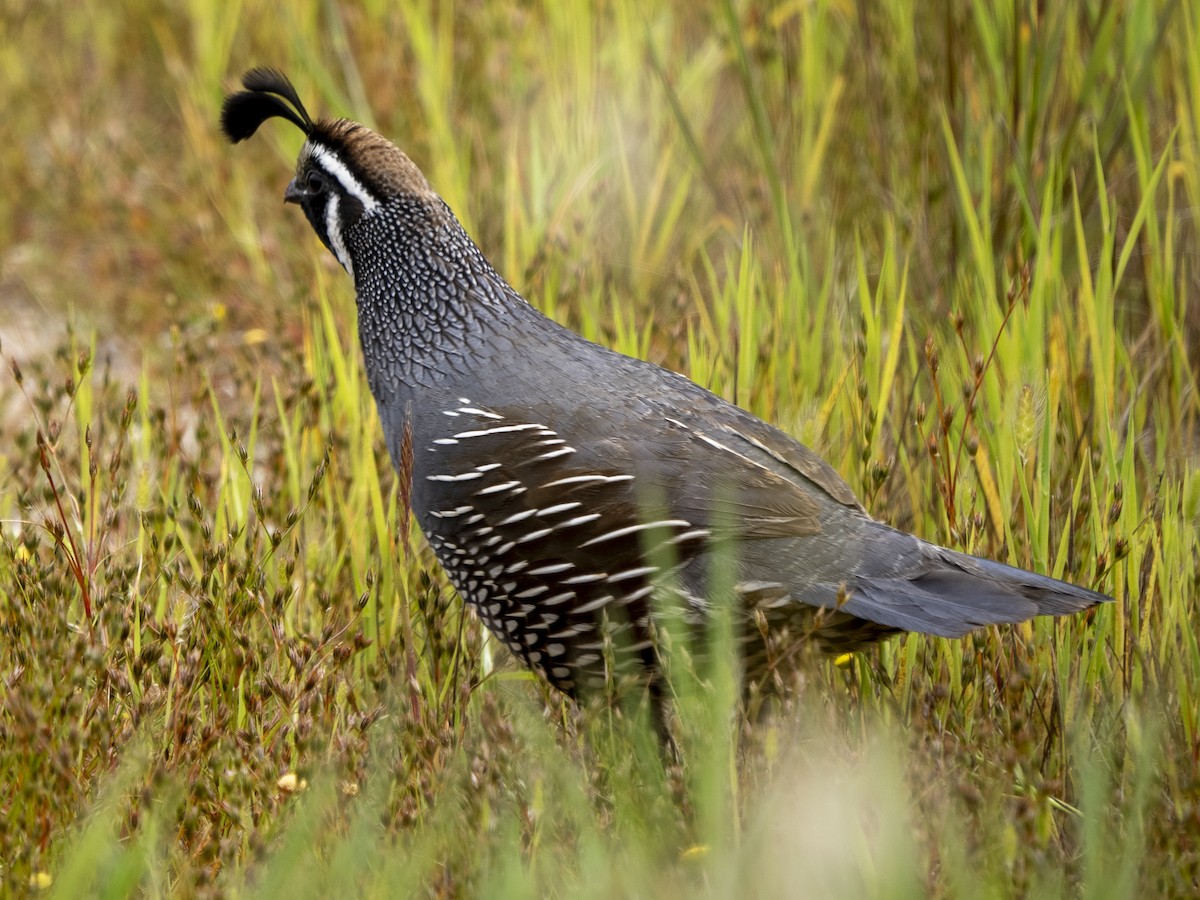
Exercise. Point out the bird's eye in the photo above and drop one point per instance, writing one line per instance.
(315, 183)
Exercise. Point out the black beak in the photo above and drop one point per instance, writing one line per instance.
(293, 194)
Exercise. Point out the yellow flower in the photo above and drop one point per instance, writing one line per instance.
(291, 783)
(40, 881)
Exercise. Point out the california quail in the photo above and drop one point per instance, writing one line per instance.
(552, 477)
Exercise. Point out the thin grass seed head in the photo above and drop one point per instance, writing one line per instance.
(1028, 418)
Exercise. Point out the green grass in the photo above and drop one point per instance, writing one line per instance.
(950, 246)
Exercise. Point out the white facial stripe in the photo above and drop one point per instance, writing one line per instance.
(333, 228)
(352, 186)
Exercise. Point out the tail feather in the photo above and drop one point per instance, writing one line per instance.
(953, 593)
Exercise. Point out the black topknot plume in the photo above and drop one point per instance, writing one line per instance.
(266, 90)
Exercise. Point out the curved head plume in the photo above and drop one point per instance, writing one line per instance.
(267, 89)
(345, 172)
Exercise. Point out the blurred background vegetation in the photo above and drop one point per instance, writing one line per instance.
(951, 246)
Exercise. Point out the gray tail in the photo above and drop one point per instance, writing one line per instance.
(951, 593)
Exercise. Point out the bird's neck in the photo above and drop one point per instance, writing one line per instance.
(428, 299)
